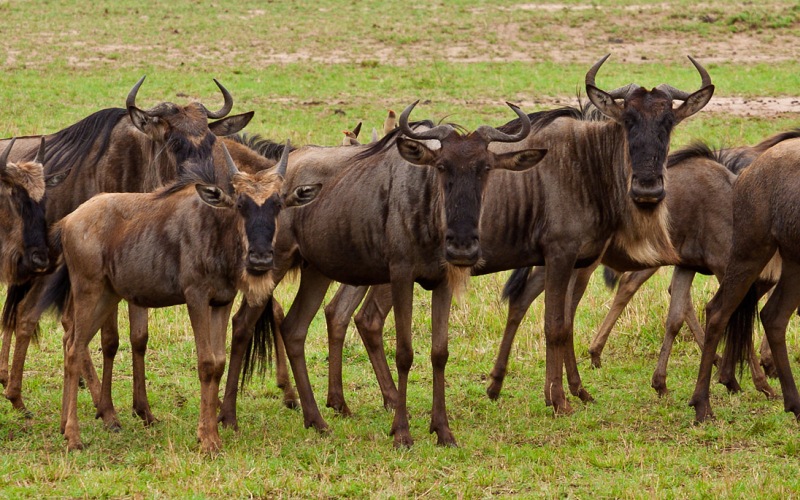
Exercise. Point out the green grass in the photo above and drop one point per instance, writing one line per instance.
(310, 70)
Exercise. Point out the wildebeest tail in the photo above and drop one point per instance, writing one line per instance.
(14, 296)
(739, 332)
(259, 351)
(610, 277)
(55, 292)
(516, 283)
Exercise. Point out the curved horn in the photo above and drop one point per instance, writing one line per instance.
(622, 92)
(682, 95)
(226, 107)
(130, 101)
(40, 153)
(593, 70)
(491, 134)
(705, 77)
(284, 161)
(232, 170)
(4, 157)
(439, 132)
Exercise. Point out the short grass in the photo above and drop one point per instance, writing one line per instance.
(310, 70)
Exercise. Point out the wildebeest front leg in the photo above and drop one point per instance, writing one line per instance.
(294, 330)
(557, 277)
(139, 336)
(337, 317)
(628, 285)
(440, 317)
(402, 298)
(209, 325)
(517, 307)
(242, 325)
(369, 321)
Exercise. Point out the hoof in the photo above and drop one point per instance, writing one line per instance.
(596, 361)
(493, 391)
(403, 442)
(291, 404)
(584, 395)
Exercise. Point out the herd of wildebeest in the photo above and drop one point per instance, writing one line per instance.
(174, 205)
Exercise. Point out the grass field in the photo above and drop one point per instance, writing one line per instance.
(312, 69)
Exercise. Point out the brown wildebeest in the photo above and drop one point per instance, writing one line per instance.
(700, 228)
(765, 221)
(599, 187)
(24, 252)
(114, 150)
(399, 212)
(202, 242)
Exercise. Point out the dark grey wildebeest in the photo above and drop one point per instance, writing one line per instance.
(401, 211)
(599, 188)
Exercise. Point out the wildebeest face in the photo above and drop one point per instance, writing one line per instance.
(648, 118)
(462, 164)
(184, 130)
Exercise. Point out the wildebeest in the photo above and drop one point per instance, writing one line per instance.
(203, 242)
(599, 189)
(114, 150)
(700, 228)
(765, 221)
(400, 211)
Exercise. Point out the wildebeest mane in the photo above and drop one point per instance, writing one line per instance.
(190, 174)
(67, 147)
(265, 147)
(584, 111)
(391, 138)
(696, 149)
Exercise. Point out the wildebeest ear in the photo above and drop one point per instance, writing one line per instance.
(54, 180)
(604, 102)
(138, 117)
(520, 160)
(214, 196)
(302, 195)
(416, 152)
(230, 124)
(694, 103)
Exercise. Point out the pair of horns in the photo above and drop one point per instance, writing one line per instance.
(280, 169)
(622, 92)
(130, 101)
(490, 134)
(4, 157)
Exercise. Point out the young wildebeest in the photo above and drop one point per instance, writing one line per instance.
(765, 220)
(115, 150)
(599, 187)
(701, 183)
(398, 212)
(24, 252)
(191, 243)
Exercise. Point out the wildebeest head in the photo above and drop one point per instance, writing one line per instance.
(184, 131)
(257, 199)
(462, 164)
(23, 227)
(648, 118)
